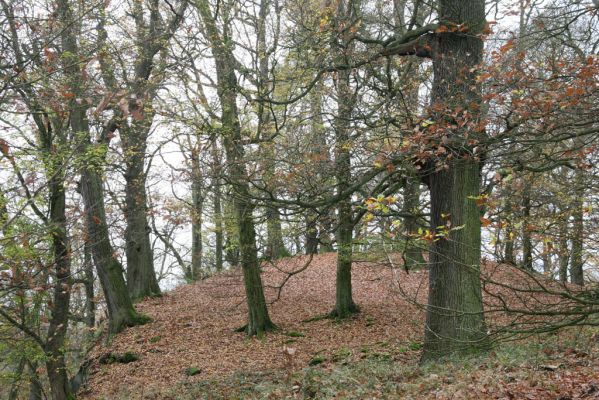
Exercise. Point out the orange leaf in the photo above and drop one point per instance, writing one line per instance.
(485, 222)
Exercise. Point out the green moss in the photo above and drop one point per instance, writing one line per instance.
(316, 360)
(294, 334)
(124, 358)
(155, 339)
(192, 371)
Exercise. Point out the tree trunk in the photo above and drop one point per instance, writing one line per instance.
(197, 204)
(218, 215)
(55, 345)
(141, 277)
(311, 232)
(90, 301)
(526, 230)
(344, 304)
(576, 262)
(110, 272)
(454, 319)
(564, 253)
(35, 386)
(232, 234)
(258, 319)
(342, 47)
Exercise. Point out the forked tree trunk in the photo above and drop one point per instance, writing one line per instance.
(258, 319)
(141, 277)
(454, 319)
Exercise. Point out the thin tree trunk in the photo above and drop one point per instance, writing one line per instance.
(454, 319)
(526, 230)
(197, 204)
(218, 215)
(90, 301)
(576, 262)
(311, 244)
(36, 390)
(564, 253)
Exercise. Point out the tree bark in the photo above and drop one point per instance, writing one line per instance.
(454, 318)
(197, 205)
(344, 304)
(141, 277)
(217, 209)
(59, 321)
(564, 253)
(258, 319)
(526, 229)
(110, 272)
(577, 261)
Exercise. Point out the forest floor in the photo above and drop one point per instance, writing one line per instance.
(190, 350)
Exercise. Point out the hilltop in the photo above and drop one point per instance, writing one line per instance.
(191, 350)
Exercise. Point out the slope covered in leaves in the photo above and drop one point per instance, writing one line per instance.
(192, 340)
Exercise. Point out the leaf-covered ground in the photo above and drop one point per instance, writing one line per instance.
(191, 350)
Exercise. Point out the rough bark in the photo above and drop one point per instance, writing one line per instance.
(454, 318)
(258, 319)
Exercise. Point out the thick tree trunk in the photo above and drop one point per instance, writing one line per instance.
(454, 319)
(141, 278)
(577, 262)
